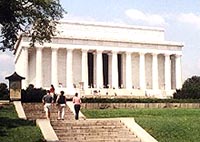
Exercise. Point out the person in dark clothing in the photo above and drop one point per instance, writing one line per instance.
(47, 101)
(77, 105)
(61, 102)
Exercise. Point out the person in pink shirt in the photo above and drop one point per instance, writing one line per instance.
(77, 105)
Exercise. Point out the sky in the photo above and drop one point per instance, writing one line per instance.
(179, 18)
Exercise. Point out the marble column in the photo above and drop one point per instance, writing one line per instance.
(178, 72)
(155, 71)
(114, 70)
(25, 64)
(38, 78)
(99, 69)
(167, 72)
(54, 66)
(84, 69)
(142, 71)
(69, 68)
(128, 71)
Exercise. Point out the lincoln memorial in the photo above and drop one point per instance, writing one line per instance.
(109, 59)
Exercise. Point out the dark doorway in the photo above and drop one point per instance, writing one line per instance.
(105, 70)
(90, 70)
(119, 60)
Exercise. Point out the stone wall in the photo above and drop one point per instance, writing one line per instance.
(139, 105)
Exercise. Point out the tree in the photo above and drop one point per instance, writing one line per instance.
(190, 89)
(36, 18)
(4, 91)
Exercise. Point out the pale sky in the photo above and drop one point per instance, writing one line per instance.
(179, 18)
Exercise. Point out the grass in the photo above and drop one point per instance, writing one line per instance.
(13, 129)
(166, 125)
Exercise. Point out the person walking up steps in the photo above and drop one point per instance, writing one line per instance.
(61, 102)
(52, 93)
(77, 105)
(47, 101)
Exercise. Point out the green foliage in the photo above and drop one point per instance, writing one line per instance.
(35, 18)
(32, 94)
(13, 129)
(190, 89)
(166, 125)
(4, 93)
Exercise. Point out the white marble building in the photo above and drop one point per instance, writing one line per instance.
(133, 60)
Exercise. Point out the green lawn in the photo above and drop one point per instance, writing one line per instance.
(166, 125)
(13, 129)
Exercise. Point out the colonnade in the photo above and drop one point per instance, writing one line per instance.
(99, 68)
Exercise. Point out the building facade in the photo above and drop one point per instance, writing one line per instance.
(112, 59)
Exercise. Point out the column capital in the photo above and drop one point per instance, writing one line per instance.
(154, 53)
(84, 50)
(69, 49)
(39, 48)
(54, 48)
(114, 52)
(128, 52)
(167, 54)
(142, 53)
(99, 51)
(178, 55)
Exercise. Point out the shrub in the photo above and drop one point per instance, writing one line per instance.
(190, 89)
(32, 94)
(4, 93)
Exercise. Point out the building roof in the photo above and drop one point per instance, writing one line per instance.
(14, 77)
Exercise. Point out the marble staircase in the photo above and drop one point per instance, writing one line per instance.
(89, 130)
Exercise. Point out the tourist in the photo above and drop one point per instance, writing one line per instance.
(77, 105)
(52, 92)
(61, 102)
(47, 101)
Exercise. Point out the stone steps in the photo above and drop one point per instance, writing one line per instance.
(104, 133)
(94, 139)
(36, 111)
(91, 130)
(101, 140)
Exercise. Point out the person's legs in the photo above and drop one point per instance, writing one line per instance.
(62, 112)
(77, 108)
(59, 111)
(47, 110)
(76, 111)
(48, 114)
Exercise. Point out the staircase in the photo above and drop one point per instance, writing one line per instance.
(35, 111)
(90, 130)
(93, 131)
